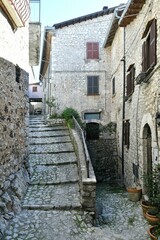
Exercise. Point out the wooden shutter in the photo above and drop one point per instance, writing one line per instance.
(152, 47)
(132, 78)
(113, 86)
(96, 85)
(95, 51)
(89, 85)
(127, 133)
(92, 50)
(92, 85)
(89, 50)
(144, 56)
(128, 84)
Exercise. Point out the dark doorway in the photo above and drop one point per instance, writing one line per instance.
(147, 151)
(92, 131)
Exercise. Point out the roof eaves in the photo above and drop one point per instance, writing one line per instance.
(103, 12)
(113, 25)
(132, 9)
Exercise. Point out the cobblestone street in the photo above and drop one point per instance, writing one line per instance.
(52, 205)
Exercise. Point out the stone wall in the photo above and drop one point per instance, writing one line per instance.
(103, 153)
(14, 44)
(34, 43)
(87, 183)
(141, 107)
(13, 139)
(70, 67)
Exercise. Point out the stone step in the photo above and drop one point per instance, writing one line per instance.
(51, 207)
(51, 148)
(47, 126)
(54, 174)
(34, 121)
(49, 134)
(35, 125)
(50, 140)
(47, 129)
(55, 196)
(52, 159)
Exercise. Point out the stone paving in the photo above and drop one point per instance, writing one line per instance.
(52, 205)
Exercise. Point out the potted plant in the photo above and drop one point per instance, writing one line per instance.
(154, 232)
(134, 193)
(153, 216)
(152, 188)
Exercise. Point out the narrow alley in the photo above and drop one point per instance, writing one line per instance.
(52, 208)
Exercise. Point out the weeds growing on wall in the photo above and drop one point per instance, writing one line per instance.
(68, 115)
(110, 128)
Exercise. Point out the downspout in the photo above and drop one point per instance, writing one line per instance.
(123, 90)
(123, 97)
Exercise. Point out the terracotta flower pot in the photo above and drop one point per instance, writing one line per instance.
(134, 194)
(145, 207)
(152, 219)
(151, 234)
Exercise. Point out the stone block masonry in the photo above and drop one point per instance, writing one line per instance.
(87, 183)
(103, 153)
(13, 139)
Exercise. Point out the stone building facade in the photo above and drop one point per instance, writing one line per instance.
(128, 73)
(14, 67)
(135, 51)
(73, 78)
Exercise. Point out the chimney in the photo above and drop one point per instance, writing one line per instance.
(105, 8)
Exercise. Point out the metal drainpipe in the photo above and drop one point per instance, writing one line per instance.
(123, 102)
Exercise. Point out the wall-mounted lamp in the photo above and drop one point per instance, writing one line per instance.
(158, 118)
(40, 83)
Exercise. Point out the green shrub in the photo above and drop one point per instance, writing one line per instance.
(68, 113)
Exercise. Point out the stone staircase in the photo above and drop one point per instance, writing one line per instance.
(54, 181)
(52, 207)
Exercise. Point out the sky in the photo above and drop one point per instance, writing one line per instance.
(56, 11)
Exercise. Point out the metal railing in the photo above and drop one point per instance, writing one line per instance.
(81, 135)
(22, 9)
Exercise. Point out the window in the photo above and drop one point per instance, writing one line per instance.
(130, 79)
(34, 89)
(92, 50)
(127, 133)
(149, 58)
(92, 85)
(93, 115)
(113, 86)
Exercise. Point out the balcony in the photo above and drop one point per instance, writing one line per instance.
(17, 11)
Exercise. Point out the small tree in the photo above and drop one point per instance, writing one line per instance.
(51, 103)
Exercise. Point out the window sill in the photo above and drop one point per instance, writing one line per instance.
(92, 95)
(92, 60)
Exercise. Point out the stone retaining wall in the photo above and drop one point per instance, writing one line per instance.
(87, 185)
(13, 139)
(103, 153)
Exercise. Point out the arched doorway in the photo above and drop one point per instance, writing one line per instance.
(92, 131)
(147, 149)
